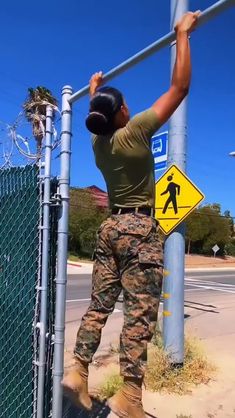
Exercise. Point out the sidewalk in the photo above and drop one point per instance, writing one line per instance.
(191, 261)
(79, 267)
(199, 261)
(211, 319)
(215, 400)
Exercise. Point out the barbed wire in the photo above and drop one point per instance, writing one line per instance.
(17, 144)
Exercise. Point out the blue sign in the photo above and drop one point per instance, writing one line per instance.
(159, 150)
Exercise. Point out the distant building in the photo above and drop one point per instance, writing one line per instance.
(100, 196)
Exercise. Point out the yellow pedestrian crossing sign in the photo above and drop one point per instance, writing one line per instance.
(176, 197)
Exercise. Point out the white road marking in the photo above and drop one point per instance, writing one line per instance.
(210, 281)
(219, 289)
(209, 276)
(213, 284)
(198, 285)
(209, 285)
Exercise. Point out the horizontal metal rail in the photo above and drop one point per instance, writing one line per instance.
(208, 14)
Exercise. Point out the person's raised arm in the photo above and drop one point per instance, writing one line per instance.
(168, 102)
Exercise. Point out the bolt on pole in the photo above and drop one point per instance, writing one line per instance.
(174, 251)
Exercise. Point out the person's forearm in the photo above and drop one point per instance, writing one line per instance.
(182, 70)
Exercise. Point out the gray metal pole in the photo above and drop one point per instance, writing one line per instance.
(174, 252)
(61, 278)
(44, 278)
(208, 14)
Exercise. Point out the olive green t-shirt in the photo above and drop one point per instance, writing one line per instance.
(126, 161)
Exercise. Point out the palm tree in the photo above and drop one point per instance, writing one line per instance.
(35, 111)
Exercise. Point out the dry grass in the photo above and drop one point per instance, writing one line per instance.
(112, 384)
(184, 416)
(161, 377)
(77, 259)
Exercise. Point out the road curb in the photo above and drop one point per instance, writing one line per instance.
(189, 269)
(74, 264)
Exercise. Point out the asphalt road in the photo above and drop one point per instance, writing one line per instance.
(203, 289)
(209, 307)
(79, 286)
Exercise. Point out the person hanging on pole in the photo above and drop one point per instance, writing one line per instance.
(128, 254)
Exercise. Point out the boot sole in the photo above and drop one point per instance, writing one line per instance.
(73, 397)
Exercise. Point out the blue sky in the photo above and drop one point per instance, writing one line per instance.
(53, 43)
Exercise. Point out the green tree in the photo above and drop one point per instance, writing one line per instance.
(230, 247)
(197, 228)
(207, 227)
(85, 218)
(216, 207)
(231, 222)
(219, 230)
(35, 111)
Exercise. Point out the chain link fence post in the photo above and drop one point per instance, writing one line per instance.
(61, 278)
(42, 325)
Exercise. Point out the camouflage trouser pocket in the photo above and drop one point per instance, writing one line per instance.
(150, 260)
(150, 257)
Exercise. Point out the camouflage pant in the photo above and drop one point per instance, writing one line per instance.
(128, 257)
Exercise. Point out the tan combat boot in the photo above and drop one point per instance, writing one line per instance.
(75, 385)
(128, 400)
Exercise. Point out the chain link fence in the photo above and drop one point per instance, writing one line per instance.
(21, 196)
(51, 300)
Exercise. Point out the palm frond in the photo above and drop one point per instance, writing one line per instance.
(35, 110)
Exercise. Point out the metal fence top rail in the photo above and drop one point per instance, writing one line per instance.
(208, 14)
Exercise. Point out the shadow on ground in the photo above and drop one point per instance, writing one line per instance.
(200, 306)
(99, 410)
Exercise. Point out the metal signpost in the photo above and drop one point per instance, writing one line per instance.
(215, 249)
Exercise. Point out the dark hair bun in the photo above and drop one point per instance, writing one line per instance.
(104, 105)
(97, 123)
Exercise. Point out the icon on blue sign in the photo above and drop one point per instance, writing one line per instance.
(156, 145)
(159, 150)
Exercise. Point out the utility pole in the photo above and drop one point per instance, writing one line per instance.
(174, 253)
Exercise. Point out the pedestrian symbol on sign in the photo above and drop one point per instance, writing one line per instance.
(176, 197)
(172, 189)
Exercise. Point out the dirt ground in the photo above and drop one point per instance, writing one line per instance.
(202, 261)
